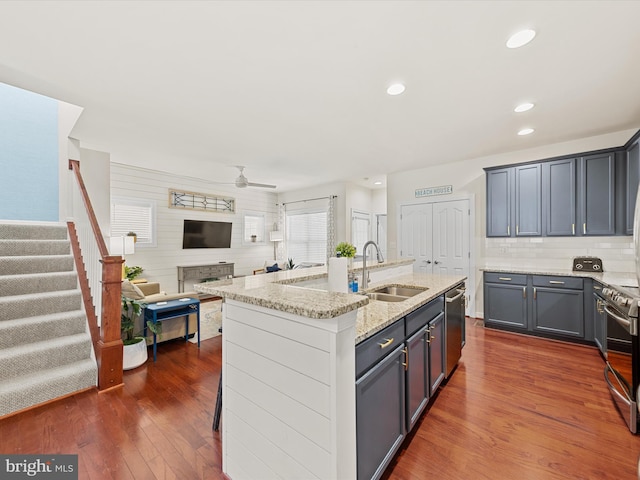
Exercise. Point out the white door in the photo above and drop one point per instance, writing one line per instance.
(381, 233)
(416, 236)
(451, 237)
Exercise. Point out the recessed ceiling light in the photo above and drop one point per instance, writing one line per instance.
(526, 131)
(523, 107)
(520, 38)
(377, 183)
(395, 89)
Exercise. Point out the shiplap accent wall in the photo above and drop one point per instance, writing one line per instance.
(288, 395)
(160, 262)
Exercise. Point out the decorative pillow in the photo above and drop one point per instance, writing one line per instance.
(273, 268)
(131, 291)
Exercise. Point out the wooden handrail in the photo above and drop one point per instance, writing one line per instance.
(107, 339)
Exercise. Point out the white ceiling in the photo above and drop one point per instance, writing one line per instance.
(295, 91)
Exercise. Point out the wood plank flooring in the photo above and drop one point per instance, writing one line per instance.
(515, 408)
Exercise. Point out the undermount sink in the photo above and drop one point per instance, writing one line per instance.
(400, 291)
(394, 293)
(385, 297)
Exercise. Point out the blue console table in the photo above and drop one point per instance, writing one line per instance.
(158, 312)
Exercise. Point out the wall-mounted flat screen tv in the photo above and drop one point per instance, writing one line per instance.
(205, 234)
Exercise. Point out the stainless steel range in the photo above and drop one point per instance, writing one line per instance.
(622, 371)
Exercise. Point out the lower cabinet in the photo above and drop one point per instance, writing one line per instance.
(393, 389)
(505, 300)
(545, 305)
(437, 359)
(380, 414)
(558, 308)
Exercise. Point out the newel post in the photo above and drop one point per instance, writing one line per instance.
(109, 350)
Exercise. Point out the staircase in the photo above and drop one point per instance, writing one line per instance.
(45, 346)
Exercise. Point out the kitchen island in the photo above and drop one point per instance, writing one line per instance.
(289, 407)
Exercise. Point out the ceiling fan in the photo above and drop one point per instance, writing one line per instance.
(243, 182)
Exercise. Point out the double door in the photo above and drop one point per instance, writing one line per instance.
(436, 235)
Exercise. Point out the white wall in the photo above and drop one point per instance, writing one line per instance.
(68, 115)
(95, 168)
(467, 177)
(160, 262)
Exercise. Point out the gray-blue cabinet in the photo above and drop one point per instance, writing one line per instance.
(596, 194)
(380, 414)
(499, 187)
(559, 197)
(505, 300)
(514, 201)
(558, 306)
(632, 177)
(418, 393)
(528, 200)
(437, 360)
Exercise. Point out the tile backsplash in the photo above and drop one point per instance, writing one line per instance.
(547, 252)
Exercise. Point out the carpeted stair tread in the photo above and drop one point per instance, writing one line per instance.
(28, 231)
(20, 331)
(11, 285)
(33, 357)
(34, 304)
(34, 247)
(21, 264)
(42, 386)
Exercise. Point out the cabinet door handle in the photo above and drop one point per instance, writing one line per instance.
(524, 292)
(556, 282)
(517, 230)
(599, 305)
(405, 364)
(428, 332)
(573, 229)
(584, 228)
(506, 279)
(388, 341)
(508, 230)
(596, 287)
(535, 293)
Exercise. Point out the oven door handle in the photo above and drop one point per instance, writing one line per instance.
(629, 325)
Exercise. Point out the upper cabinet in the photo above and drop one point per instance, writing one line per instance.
(499, 186)
(582, 195)
(632, 170)
(514, 197)
(559, 197)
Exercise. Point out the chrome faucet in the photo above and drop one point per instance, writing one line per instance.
(365, 274)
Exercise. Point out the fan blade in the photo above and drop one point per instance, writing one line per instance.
(263, 185)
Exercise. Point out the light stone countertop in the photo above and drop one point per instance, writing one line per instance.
(278, 291)
(609, 278)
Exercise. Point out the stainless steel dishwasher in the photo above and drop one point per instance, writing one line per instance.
(454, 324)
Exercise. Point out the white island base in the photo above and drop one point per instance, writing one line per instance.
(288, 408)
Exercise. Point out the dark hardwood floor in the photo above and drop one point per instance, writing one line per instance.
(515, 408)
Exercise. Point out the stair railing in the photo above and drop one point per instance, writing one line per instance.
(100, 277)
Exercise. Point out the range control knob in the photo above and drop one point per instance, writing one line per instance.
(596, 267)
(579, 266)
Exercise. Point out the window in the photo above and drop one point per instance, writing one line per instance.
(134, 215)
(253, 231)
(306, 236)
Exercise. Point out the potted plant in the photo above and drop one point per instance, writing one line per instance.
(289, 265)
(134, 235)
(345, 249)
(135, 345)
(132, 272)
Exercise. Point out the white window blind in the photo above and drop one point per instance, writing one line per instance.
(132, 215)
(306, 236)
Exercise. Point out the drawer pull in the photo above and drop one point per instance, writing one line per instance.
(388, 341)
(556, 282)
(535, 293)
(506, 279)
(595, 287)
